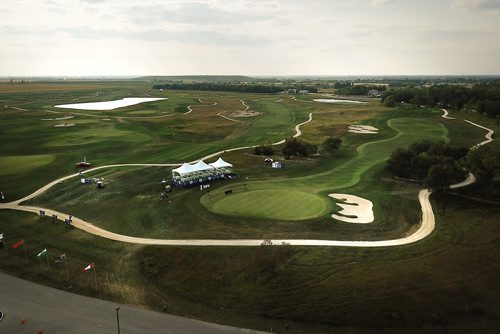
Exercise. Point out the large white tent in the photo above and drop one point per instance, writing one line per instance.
(189, 174)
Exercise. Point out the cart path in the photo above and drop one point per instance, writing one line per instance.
(426, 227)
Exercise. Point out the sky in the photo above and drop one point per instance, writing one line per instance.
(249, 37)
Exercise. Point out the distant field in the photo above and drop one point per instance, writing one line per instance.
(47, 87)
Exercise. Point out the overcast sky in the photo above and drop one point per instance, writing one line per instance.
(249, 37)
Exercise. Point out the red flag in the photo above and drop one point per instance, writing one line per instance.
(18, 244)
(89, 267)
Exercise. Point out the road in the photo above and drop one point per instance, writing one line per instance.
(426, 226)
(57, 311)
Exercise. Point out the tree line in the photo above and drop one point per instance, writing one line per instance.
(483, 98)
(232, 87)
(439, 165)
(349, 88)
(298, 147)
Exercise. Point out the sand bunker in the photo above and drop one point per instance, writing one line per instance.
(106, 119)
(110, 105)
(359, 210)
(64, 125)
(244, 113)
(57, 118)
(336, 101)
(362, 129)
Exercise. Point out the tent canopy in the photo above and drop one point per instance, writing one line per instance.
(201, 165)
(184, 169)
(188, 169)
(220, 164)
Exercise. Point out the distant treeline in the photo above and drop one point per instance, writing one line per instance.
(231, 87)
(349, 88)
(483, 98)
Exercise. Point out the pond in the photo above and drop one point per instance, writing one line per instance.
(110, 105)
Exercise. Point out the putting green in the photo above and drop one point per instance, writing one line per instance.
(22, 163)
(269, 203)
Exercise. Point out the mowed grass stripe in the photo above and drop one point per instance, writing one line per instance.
(273, 204)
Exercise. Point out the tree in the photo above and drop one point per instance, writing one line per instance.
(297, 147)
(332, 144)
(263, 150)
(389, 101)
(484, 163)
(442, 175)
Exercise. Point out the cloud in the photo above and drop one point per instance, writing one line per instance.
(457, 36)
(194, 36)
(93, 2)
(198, 13)
(381, 2)
(488, 5)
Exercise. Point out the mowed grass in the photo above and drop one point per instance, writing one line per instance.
(344, 175)
(22, 163)
(275, 204)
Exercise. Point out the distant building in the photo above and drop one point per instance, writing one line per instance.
(374, 93)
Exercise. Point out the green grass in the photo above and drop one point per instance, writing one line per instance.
(341, 176)
(446, 283)
(23, 163)
(275, 204)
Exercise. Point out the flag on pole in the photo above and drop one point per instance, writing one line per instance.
(18, 244)
(44, 252)
(89, 267)
(59, 258)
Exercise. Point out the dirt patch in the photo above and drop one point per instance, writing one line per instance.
(365, 129)
(64, 125)
(244, 113)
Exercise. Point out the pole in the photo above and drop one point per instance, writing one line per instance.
(118, 319)
(25, 254)
(66, 264)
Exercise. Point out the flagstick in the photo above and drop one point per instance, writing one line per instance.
(25, 254)
(66, 264)
(95, 276)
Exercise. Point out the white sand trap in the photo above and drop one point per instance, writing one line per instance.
(64, 125)
(110, 105)
(57, 118)
(362, 129)
(106, 119)
(244, 113)
(361, 209)
(336, 101)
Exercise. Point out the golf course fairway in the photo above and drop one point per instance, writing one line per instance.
(258, 199)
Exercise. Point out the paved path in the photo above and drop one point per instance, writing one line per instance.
(57, 311)
(426, 227)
